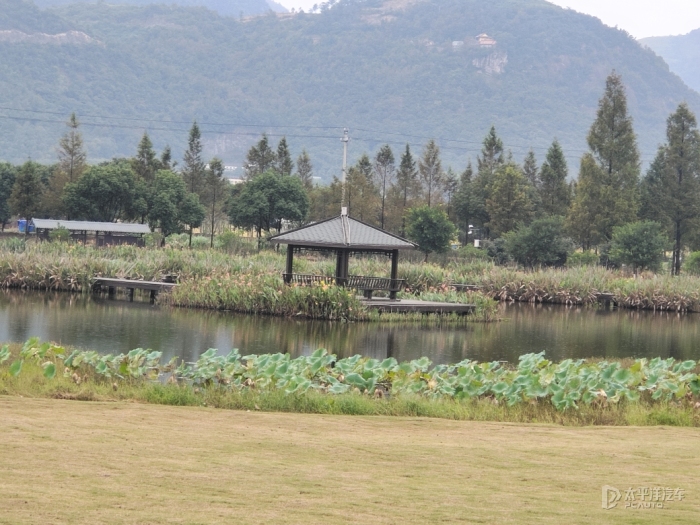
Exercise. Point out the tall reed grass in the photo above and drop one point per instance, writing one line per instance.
(204, 275)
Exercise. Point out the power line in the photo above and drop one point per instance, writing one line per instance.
(442, 140)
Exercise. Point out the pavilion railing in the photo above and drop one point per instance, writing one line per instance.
(366, 284)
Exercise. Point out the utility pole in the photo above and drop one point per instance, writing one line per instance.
(345, 141)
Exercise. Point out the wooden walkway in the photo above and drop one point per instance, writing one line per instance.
(100, 283)
(411, 305)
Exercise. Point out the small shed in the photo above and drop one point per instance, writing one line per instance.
(106, 233)
(345, 236)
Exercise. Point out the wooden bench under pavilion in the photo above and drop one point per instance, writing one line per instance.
(345, 236)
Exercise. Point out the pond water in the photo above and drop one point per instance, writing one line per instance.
(116, 326)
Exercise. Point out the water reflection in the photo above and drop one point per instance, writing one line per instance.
(114, 326)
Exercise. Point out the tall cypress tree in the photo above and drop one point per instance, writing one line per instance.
(554, 190)
(463, 200)
(430, 168)
(509, 203)
(671, 189)
(530, 169)
(490, 160)
(284, 164)
(193, 165)
(613, 149)
(407, 177)
(146, 163)
(260, 158)
(71, 153)
(305, 170)
(384, 169)
(215, 193)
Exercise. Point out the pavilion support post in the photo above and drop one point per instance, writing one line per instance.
(341, 267)
(394, 273)
(290, 264)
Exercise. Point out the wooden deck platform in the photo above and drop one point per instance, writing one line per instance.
(411, 305)
(100, 283)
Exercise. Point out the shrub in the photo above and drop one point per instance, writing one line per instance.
(585, 258)
(640, 245)
(60, 234)
(232, 243)
(153, 240)
(541, 243)
(692, 264)
(496, 249)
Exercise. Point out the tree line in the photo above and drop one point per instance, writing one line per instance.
(528, 211)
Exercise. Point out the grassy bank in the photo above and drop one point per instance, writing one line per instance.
(571, 393)
(71, 462)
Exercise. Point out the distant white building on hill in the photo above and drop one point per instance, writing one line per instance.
(485, 40)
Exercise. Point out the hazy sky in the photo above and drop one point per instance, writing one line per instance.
(641, 18)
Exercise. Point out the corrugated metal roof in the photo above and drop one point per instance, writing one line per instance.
(112, 227)
(343, 232)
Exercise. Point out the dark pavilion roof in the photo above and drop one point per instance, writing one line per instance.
(343, 232)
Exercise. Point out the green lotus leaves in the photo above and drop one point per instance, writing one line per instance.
(535, 379)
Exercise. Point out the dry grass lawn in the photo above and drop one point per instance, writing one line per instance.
(114, 463)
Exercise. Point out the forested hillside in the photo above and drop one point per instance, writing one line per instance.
(682, 53)
(238, 8)
(393, 71)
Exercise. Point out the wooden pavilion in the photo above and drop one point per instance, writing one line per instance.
(345, 236)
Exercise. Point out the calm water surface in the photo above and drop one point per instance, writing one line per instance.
(115, 326)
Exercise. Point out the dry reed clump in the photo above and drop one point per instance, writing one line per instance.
(71, 267)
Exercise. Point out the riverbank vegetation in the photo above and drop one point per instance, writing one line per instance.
(639, 392)
(245, 280)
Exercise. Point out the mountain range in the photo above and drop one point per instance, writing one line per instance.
(682, 53)
(392, 71)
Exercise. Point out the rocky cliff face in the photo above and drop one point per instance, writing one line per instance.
(493, 64)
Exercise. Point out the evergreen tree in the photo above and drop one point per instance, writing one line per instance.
(71, 166)
(450, 184)
(215, 193)
(554, 190)
(7, 181)
(284, 165)
(193, 165)
(430, 168)
(71, 153)
(671, 189)
(305, 170)
(145, 164)
(463, 200)
(364, 166)
(260, 158)
(362, 195)
(489, 162)
(491, 158)
(530, 170)
(166, 159)
(613, 146)
(27, 190)
(384, 173)
(508, 204)
(581, 220)
(407, 178)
